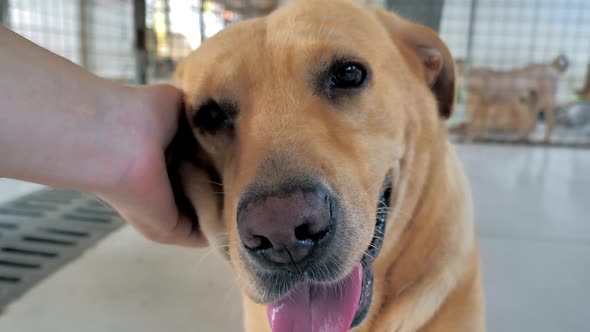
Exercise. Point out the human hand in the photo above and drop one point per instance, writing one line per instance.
(143, 194)
(62, 126)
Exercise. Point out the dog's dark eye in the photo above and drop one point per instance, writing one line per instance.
(348, 76)
(212, 117)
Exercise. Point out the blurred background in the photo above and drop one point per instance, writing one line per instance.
(522, 128)
(502, 42)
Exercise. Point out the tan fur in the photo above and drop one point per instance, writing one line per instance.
(500, 89)
(427, 276)
(513, 115)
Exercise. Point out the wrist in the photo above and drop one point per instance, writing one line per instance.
(125, 139)
(144, 120)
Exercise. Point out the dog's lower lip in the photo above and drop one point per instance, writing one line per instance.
(372, 252)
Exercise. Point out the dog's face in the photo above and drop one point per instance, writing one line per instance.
(296, 130)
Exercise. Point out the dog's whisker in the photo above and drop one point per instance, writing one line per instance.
(213, 182)
(379, 236)
(209, 251)
(204, 257)
(370, 256)
(229, 292)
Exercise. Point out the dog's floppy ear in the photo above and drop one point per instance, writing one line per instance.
(195, 182)
(428, 56)
(180, 151)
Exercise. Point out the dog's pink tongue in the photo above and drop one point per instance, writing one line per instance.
(314, 308)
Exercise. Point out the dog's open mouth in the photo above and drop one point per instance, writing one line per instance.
(340, 306)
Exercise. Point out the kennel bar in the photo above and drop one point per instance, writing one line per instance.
(4, 19)
(428, 12)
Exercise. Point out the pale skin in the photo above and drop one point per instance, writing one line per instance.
(65, 127)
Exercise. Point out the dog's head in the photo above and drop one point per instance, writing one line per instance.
(298, 128)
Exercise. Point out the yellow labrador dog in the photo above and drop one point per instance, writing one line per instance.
(313, 148)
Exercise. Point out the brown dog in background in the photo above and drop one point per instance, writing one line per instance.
(314, 153)
(508, 91)
(515, 115)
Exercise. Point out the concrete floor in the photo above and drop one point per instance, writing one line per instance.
(532, 208)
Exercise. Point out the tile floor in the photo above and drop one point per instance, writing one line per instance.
(533, 212)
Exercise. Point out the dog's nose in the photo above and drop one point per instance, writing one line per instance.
(285, 228)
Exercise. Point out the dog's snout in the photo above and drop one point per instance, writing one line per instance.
(285, 228)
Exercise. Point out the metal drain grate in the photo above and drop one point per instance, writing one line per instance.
(42, 231)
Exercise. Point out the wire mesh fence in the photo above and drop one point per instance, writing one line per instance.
(522, 69)
(523, 65)
(95, 34)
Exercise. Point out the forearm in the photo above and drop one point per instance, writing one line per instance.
(59, 124)
(64, 127)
